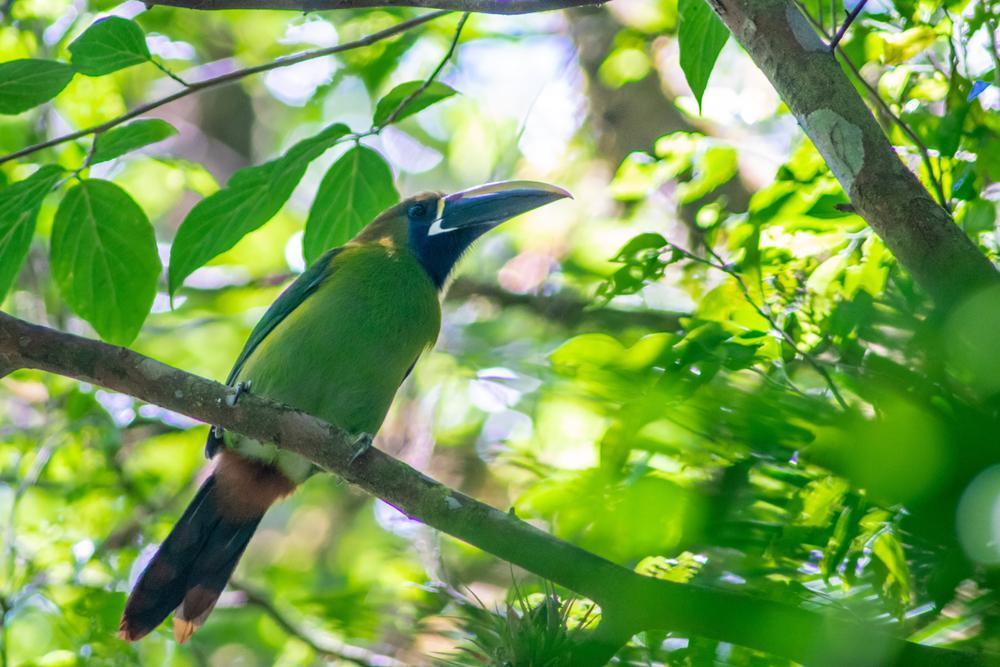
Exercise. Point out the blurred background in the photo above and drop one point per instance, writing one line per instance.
(703, 367)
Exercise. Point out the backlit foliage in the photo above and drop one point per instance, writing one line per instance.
(706, 368)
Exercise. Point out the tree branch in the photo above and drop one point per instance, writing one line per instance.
(920, 233)
(633, 601)
(224, 79)
(478, 6)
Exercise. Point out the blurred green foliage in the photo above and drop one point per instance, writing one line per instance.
(812, 431)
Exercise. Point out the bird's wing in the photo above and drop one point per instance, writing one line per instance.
(293, 296)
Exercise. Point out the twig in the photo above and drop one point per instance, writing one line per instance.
(884, 107)
(429, 80)
(847, 24)
(720, 265)
(224, 79)
(321, 642)
(637, 602)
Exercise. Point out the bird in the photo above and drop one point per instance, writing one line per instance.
(337, 344)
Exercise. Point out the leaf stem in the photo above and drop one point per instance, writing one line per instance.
(223, 79)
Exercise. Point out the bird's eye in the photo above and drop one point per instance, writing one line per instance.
(417, 211)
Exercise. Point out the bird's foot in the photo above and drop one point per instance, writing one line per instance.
(363, 442)
(240, 389)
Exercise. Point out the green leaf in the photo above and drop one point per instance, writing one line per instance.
(19, 204)
(121, 140)
(356, 188)
(433, 94)
(252, 197)
(29, 82)
(109, 45)
(701, 37)
(104, 259)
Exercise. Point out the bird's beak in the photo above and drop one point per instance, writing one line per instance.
(489, 205)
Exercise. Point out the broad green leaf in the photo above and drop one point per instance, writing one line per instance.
(109, 45)
(356, 188)
(121, 140)
(252, 197)
(104, 259)
(701, 37)
(19, 204)
(26, 83)
(433, 94)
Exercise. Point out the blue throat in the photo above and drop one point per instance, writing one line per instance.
(438, 254)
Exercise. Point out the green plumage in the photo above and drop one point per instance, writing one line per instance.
(336, 344)
(362, 315)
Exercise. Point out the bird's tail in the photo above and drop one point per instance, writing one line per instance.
(191, 567)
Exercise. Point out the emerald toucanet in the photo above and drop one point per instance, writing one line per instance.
(336, 344)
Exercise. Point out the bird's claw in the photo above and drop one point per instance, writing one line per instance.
(240, 389)
(362, 443)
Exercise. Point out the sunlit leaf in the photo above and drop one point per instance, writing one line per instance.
(19, 204)
(978, 87)
(356, 188)
(104, 259)
(108, 45)
(252, 197)
(432, 94)
(29, 82)
(120, 140)
(681, 569)
(701, 37)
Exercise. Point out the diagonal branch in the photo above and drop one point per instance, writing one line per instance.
(630, 602)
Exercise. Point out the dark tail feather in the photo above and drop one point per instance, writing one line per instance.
(190, 569)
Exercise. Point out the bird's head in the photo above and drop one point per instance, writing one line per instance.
(438, 228)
